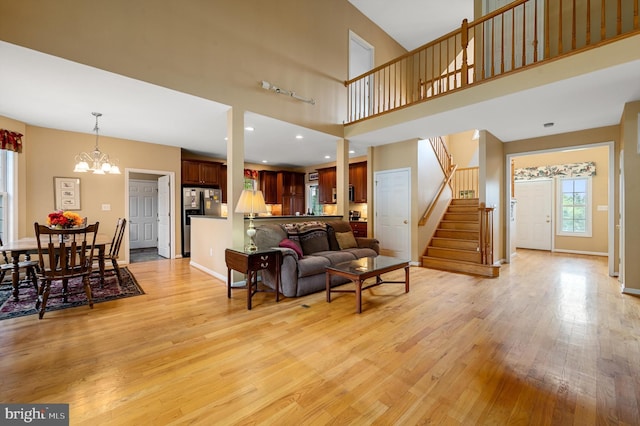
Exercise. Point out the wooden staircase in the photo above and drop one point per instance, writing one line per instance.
(455, 245)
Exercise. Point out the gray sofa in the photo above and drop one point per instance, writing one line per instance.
(320, 245)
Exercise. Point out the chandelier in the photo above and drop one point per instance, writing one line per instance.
(95, 161)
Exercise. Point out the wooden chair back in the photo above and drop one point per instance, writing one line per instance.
(65, 253)
(118, 235)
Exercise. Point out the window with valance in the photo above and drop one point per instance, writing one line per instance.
(10, 141)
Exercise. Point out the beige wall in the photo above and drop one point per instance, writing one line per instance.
(218, 50)
(630, 144)
(51, 153)
(492, 188)
(598, 242)
(463, 149)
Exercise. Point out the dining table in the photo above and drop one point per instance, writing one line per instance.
(29, 245)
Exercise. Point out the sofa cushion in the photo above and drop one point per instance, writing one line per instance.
(336, 257)
(346, 240)
(313, 237)
(361, 252)
(312, 265)
(293, 245)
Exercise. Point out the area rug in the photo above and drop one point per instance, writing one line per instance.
(111, 290)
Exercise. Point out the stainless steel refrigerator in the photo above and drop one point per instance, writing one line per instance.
(197, 201)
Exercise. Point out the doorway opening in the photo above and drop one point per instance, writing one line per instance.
(150, 207)
(552, 164)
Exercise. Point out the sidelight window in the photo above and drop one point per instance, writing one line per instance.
(574, 205)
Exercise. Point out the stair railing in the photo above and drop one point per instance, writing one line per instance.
(448, 168)
(519, 35)
(486, 234)
(465, 183)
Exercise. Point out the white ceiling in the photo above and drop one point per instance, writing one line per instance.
(413, 23)
(48, 91)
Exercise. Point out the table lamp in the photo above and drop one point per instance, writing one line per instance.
(251, 202)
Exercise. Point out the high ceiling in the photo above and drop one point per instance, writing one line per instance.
(48, 91)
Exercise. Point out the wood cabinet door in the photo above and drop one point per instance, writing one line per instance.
(190, 172)
(209, 173)
(326, 185)
(223, 182)
(359, 182)
(269, 186)
(297, 184)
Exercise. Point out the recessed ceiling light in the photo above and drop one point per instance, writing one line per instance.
(352, 152)
(549, 124)
(299, 137)
(327, 156)
(249, 129)
(264, 161)
(226, 138)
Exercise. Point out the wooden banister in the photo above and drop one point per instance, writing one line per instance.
(425, 217)
(491, 46)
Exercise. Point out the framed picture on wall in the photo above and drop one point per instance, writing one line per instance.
(66, 192)
(313, 176)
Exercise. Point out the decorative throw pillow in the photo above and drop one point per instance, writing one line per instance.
(346, 240)
(293, 245)
(313, 237)
(292, 232)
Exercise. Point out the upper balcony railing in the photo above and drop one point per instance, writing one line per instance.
(521, 34)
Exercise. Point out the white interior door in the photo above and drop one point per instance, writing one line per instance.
(164, 217)
(361, 60)
(143, 214)
(392, 206)
(534, 222)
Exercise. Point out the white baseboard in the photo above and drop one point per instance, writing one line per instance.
(588, 253)
(632, 291)
(213, 273)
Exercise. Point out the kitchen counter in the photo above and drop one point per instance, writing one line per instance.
(300, 217)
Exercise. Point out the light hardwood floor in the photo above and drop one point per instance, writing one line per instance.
(551, 341)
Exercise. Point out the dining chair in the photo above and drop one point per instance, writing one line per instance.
(64, 254)
(29, 266)
(114, 248)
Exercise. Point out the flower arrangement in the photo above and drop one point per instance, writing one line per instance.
(62, 219)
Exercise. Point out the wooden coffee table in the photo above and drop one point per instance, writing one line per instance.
(360, 270)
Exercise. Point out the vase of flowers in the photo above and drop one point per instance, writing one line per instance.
(63, 220)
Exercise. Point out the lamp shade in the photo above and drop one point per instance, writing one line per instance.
(251, 202)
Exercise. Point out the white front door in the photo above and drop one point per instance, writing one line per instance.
(392, 207)
(164, 217)
(534, 220)
(143, 214)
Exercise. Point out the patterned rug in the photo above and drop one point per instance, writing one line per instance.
(26, 305)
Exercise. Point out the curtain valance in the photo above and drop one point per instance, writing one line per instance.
(587, 168)
(10, 141)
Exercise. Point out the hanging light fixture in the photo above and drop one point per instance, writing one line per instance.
(96, 161)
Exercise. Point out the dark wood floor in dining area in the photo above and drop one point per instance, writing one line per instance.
(551, 341)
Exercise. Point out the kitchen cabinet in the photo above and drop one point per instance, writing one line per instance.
(223, 182)
(291, 192)
(269, 186)
(359, 228)
(201, 173)
(326, 185)
(358, 180)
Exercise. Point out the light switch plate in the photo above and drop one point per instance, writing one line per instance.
(106, 207)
